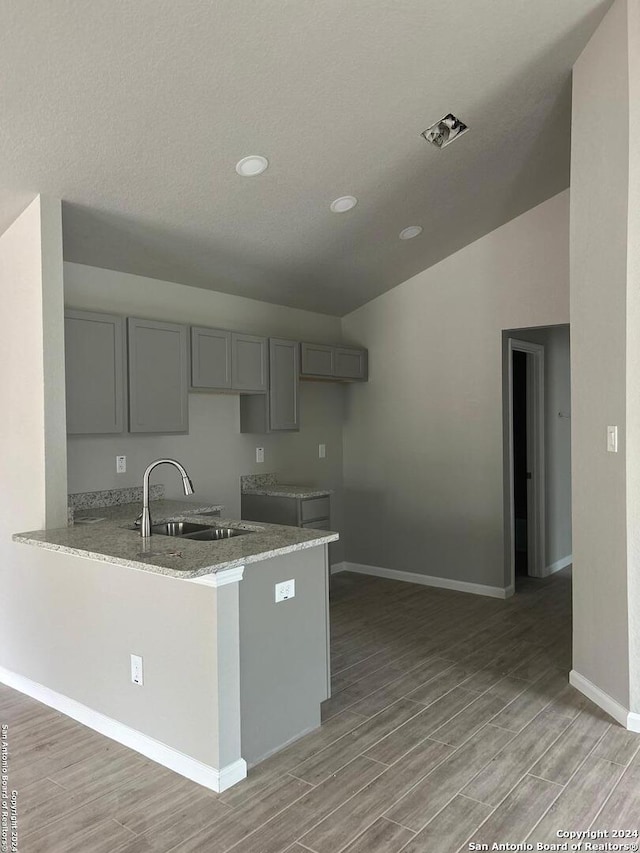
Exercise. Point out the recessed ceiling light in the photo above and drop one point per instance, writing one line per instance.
(251, 166)
(443, 132)
(410, 231)
(344, 203)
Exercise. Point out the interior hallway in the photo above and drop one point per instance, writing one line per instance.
(451, 720)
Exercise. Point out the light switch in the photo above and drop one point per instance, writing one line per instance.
(612, 439)
(137, 675)
(322, 451)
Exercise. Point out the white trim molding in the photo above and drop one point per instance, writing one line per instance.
(424, 580)
(221, 578)
(217, 780)
(620, 714)
(559, 565)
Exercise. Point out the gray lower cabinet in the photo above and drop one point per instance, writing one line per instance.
(158, 376)
(320, 361)
(94, 367)
(210, 358)
(278, 409)
(249, 363)
(296, 512)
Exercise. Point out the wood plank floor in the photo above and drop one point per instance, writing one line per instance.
(451, 721)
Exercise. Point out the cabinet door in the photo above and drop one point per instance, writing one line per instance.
(94, 368)
(284, 369)
(158, 376)
(317, 360)
(350, 363)
(249, 368)
(210, 358)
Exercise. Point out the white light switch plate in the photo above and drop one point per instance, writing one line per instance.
(259, 454)
(285, 590)
(137, 675)
(322, 451)
(612, 439)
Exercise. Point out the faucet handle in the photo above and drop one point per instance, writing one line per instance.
(138, 521)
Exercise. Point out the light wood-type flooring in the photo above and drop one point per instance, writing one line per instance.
(451, 722)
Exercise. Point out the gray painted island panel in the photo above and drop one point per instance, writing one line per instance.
(284, 661)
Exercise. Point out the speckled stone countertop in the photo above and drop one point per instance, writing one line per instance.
(267, 484)
(113, 541)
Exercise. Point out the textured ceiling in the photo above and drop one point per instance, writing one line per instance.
(134, 112)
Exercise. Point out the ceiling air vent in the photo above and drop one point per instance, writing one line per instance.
(443, 132)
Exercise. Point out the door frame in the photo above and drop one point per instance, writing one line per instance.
(536, 532)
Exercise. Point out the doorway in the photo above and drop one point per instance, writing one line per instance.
(521, 472)
(526, 458)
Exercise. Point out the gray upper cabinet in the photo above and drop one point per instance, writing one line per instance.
(249, 363)
(278, 410)
(284, 368)
(94, 366)
(317, 360)
(210, 358)
(326, 362)
(158, 376)
(350, 363)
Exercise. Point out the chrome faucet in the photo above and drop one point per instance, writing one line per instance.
(187, 485)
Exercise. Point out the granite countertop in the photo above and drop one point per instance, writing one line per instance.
(111, 540)
(282, 490)
(267, 484)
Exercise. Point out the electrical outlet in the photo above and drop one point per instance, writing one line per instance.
(121, 464)
(285, 590)
(259, 454)
(322, 451)
(137, 675)
(612, 439)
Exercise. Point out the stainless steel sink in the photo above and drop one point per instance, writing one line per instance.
(178, 528)
(214, 533)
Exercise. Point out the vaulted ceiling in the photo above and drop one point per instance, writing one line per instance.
(135, 112)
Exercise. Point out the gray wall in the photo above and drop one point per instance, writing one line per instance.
(633, 359)
(557, 437)
(599, 322)
(423, 438)
(214, 451)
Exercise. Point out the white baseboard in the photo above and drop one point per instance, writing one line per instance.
(620, 714)
(424, 580)
(210, 777)
(559, 564)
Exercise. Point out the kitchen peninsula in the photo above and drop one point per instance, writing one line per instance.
(230, 674)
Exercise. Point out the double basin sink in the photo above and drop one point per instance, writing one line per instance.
(200, 532)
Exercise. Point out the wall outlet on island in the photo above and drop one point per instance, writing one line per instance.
(121, 464)
(285, 590)
(259, 454)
